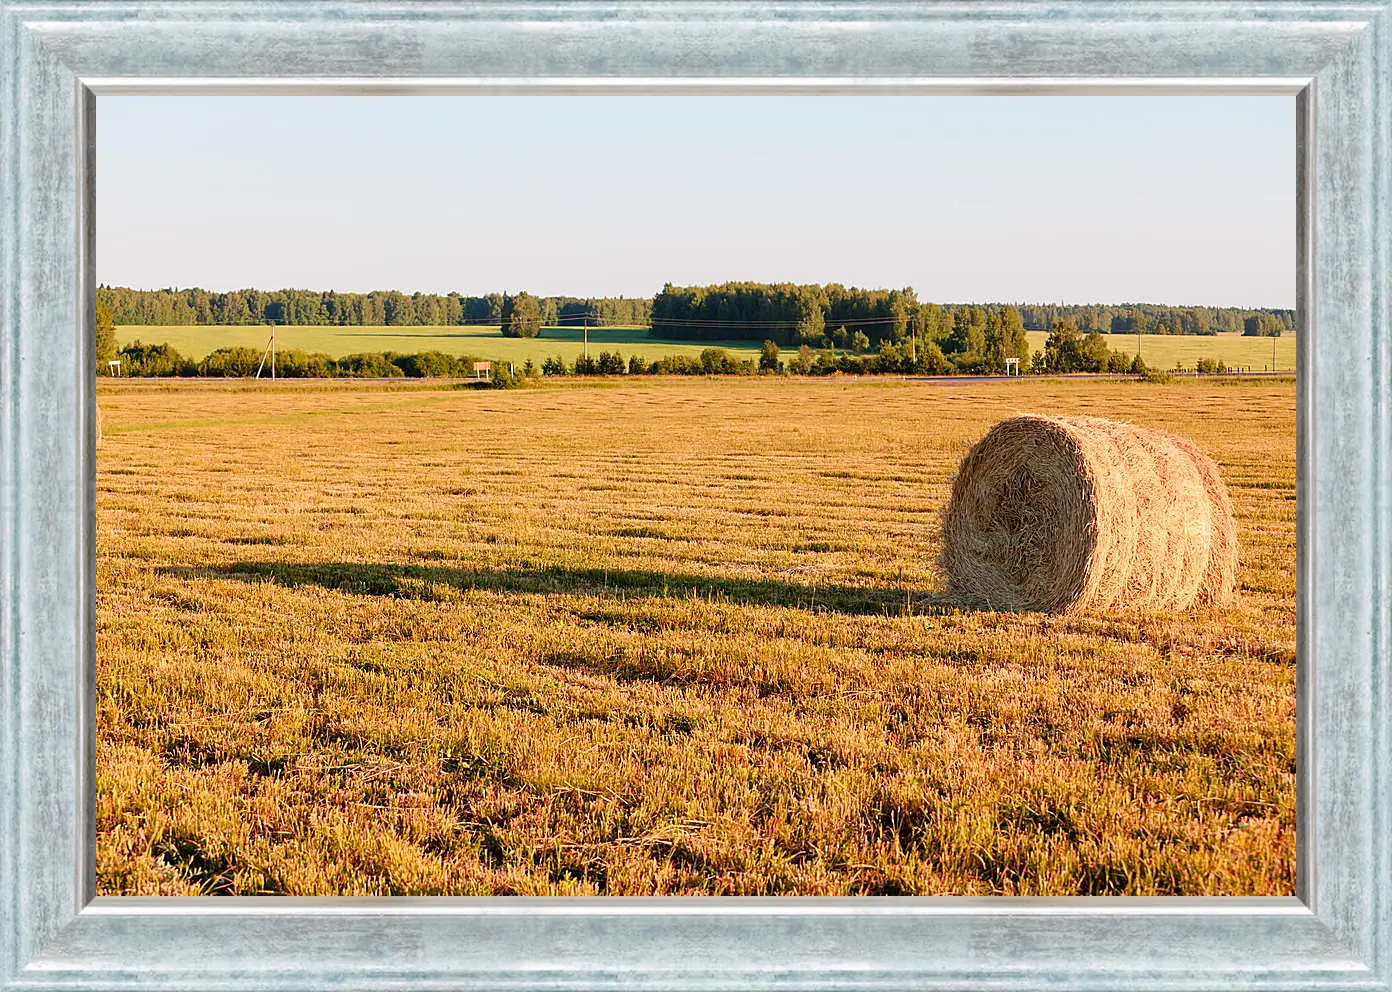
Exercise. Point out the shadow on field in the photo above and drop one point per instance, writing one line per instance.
(429, 581)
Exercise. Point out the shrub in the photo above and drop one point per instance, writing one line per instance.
(636, 366)
(297, 364)
(368, 365)
(892, 358)
(717, 361)
(154, 359)
(768, 357)
(553, 366)
(931, 360)
(678, 365)
(611, 364)
(233, 362)
(801, 364)
(434, 364)
(504, 379)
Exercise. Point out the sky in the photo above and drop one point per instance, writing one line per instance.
(1177, 200)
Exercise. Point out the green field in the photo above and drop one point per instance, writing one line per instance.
(196, 341)
(1164, 350)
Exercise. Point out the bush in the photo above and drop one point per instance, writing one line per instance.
(368, 365)
(801, 364)
(827, 363)
(768, 357)
(297, 364)
(234, 362)
(717, 361)
(504, 379)
(677, 365)
(892, 358)
(553, 366)
(105, 339)
(611, 364)
(154, 359)
(636, 366)
(931, 360)
(434, 364)
(1118, 362)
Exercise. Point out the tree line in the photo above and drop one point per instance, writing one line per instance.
(787, 313)
(380, 308)
(1148, 318)
(1067, 350)
(837, 316)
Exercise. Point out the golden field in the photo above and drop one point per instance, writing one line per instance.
(663, 636)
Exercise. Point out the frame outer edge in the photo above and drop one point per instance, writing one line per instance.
(1381, 192)
(9, 264)
(47, 444)
(674, 39)
(1347, 472)
(46, 118)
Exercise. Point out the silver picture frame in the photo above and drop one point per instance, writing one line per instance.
(1334, 57)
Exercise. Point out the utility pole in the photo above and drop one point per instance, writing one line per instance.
(1273, 352)
(270, 351)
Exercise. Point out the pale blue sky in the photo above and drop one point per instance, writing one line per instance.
(1185, 200)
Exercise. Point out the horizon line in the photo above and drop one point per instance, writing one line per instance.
(621, 296)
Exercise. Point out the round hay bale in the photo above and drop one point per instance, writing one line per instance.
(1061, 514)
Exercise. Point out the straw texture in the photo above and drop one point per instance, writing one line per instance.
(1062, 514)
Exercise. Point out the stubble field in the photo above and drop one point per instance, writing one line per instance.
(659, 637)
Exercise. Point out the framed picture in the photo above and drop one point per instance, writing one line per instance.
(1335, 61)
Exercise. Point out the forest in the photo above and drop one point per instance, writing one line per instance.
(833, 315)
(380, 308)
(786, 313)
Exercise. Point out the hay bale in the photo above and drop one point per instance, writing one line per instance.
(1060, 514)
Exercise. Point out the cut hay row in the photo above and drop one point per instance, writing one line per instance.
(1062, 514)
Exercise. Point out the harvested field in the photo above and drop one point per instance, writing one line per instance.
(660, 637)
